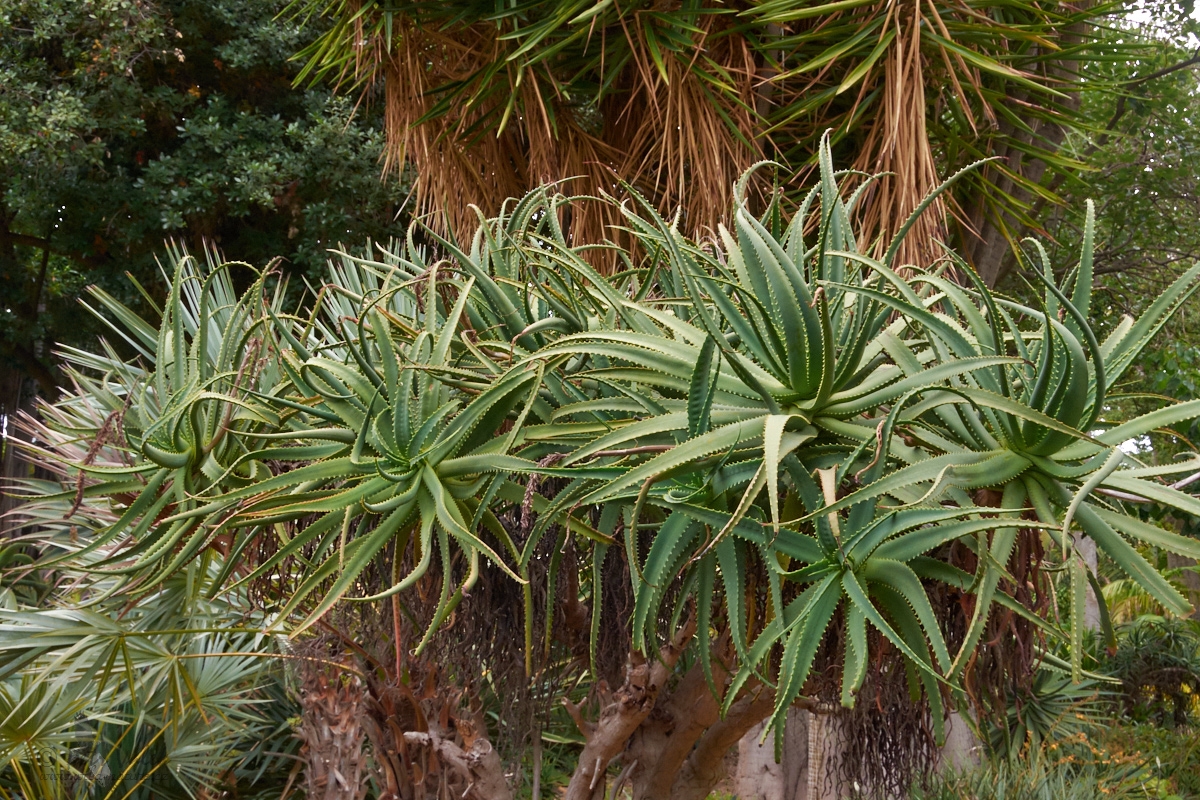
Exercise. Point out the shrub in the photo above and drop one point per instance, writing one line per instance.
(1158, 664)
(815, 472)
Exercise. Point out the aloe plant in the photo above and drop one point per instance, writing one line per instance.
(114, 681)
(783, 401)
(155, 433)
(754, 383)
(1032, 430)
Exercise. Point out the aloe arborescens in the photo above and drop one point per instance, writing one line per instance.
(790, 445)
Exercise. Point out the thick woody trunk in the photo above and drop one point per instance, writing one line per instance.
(478, 763)
(424, 744)
(670, 741)
(620, 716)
(705, 765)
(679, 751)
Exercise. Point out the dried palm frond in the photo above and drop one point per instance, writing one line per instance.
(480, 124)
(898, 145)
(689, 129)
(679, 98)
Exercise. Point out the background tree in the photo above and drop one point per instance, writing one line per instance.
(1137, 138)
(1139, 141)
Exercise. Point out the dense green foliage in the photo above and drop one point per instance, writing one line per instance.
(127, 122)
(1171, 754)
(828, 462)
(151, 701)
(1064, 775)
(1158, 664)
(101, 696)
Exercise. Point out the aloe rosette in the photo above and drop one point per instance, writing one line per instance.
(1032, 430)
(162, 429)
(811, 408)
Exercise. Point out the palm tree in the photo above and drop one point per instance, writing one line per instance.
(177, 694)
(486, 101)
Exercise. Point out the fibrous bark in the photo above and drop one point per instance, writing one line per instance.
(332, 735)
(478, 764)
(426, 747)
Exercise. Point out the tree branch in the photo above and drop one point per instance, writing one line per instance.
(630, 706)
(44, 244)
(705, 765)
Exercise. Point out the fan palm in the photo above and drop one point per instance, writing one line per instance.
(174, 694)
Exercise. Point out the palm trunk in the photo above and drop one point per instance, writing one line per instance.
(332, 734)
(987, 248)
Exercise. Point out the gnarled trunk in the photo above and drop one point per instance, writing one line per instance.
(621, 713)
(670, 740)
(678, 752)
(425, 746)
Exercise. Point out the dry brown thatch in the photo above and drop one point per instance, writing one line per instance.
(669, 137)
(679, 98)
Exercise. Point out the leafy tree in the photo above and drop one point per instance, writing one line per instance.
(1140, 139)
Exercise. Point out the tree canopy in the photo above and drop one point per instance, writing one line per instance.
(124, 123)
